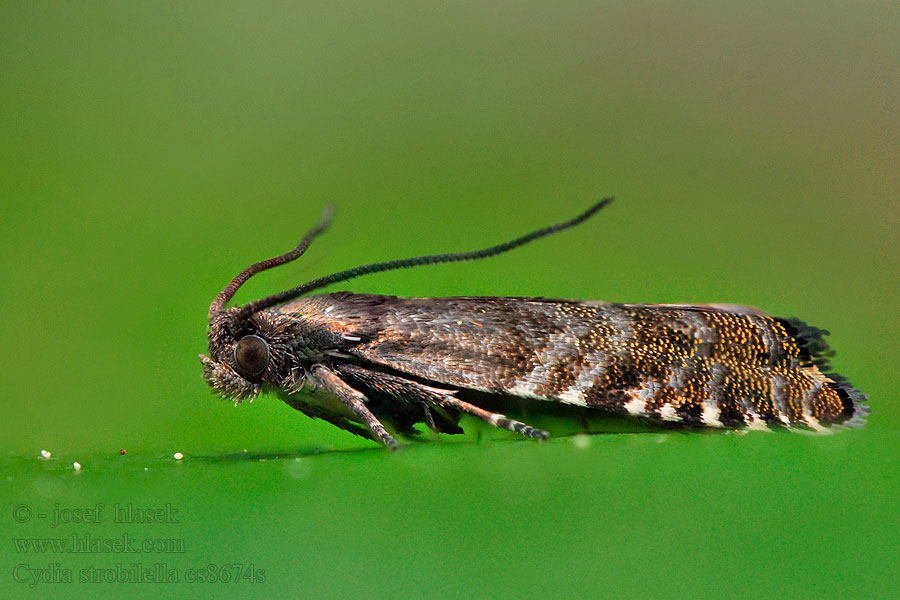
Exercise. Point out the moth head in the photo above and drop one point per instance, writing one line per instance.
(247, 356)
(237, 363)
(247, 345)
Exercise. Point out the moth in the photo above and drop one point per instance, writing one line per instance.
(380, 365)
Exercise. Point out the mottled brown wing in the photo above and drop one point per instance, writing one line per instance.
(724, 366)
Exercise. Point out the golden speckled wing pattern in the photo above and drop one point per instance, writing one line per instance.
(723, 366)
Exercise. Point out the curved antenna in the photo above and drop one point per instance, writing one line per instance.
(226, 294)
(263, 303)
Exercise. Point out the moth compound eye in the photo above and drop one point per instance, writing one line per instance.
(251, 356)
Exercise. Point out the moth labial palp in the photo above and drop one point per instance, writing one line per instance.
(388, 363)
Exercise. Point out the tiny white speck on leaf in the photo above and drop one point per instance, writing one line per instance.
(299, 468)
(581, 441)
(45, 453)
(178, 455)
(76, 466)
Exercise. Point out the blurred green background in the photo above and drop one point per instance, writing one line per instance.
(150, 151)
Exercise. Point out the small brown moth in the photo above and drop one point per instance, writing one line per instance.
(403, 361)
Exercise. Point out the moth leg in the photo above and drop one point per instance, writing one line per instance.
(355, 401)
(495, 419)
(405, 392)
(583, 419)
(407, 389)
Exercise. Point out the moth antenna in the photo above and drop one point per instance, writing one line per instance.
(405, 263)
(226, 294)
